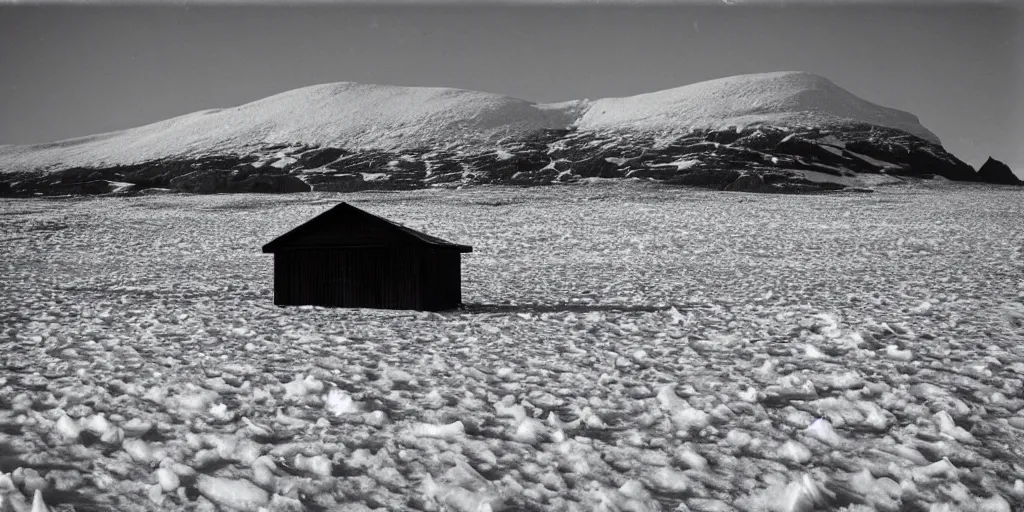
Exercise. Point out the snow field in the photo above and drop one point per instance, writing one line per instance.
(701, 351)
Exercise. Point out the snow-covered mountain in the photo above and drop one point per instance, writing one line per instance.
(780, 99)
(787, 130)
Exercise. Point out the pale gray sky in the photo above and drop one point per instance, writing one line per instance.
(70, 70)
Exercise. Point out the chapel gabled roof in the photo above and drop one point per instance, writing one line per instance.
(344, 212)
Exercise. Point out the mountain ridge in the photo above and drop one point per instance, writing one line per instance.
(391, 117)
(765, 124)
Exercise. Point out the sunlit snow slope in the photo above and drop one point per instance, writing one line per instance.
(781, 99)
(352, 115)
(346, 114)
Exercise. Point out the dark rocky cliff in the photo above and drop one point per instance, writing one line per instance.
(760, 159)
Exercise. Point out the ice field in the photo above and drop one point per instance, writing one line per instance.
(625, 347)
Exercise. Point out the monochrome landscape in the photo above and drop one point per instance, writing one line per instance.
(769, 132)
(756, 293)
(623, 347)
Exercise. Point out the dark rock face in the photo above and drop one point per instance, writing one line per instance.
(994, 171)
(210, 182)
(596, 167)
(748, 183)
(56, 186)
(756, 159)
(336, 182)
(716, 179)
(320, 157)
(269, 184)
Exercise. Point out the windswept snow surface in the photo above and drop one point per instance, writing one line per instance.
(626, 347)
(350, 115)
(782, 99)
(341, 114)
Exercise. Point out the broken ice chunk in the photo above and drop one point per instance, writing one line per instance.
(670, 480)
(156, 394)
(922, 308)
(138, 449)
(98, 424)
(67, 428)
(234, 494)
(722, 413)
(297, 388)
(462, 488)
(812, 352)
(10, 497)
(767, 369)
(949, 427)
(893, 352)
(375, 418)
(995, 503)
(691, 459)
(398, 375)
(674, 317)
(827, 325)
(136, 427)
(822, 430)
(339, 403)
(280, 503)
(263, 470)
(630, 496)
(167, 479)
(558, 424)
(748, 395)
(669, 401)
(37, 502)
(798, 418)
(433, 400)
(530, 431)
(220, 412)
(449, 431)
(738, 438)
(461, 499)
(194, 398)
(795, 451)
(30, 479)
(516, 411)
(257, 429)
(690, 420)
(805, 495)
(941, 469)
(288, 420)
(883, 493)
(847, 380)
(874, 416)
(113, 436)
(318, 465)
(906, 452)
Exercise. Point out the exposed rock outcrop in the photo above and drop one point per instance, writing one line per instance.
(994, 171)
(747, 183)
(754, 159)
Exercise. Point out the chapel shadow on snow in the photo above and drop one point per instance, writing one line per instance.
(557, 308)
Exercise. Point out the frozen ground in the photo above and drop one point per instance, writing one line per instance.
(843, 352)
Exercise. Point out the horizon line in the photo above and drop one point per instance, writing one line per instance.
(924, 4)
